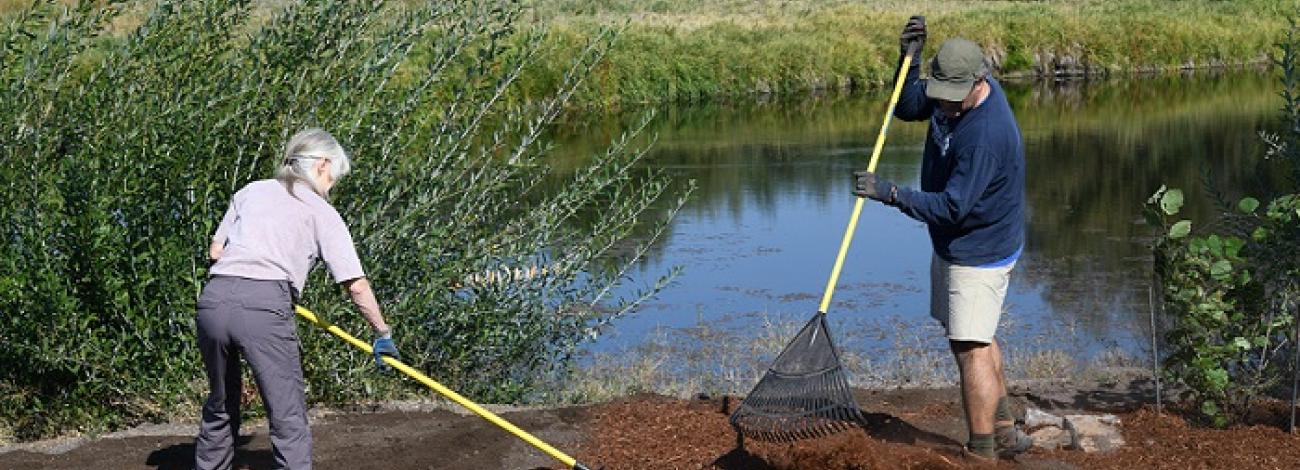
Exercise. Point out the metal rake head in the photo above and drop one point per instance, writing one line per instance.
(804, 394)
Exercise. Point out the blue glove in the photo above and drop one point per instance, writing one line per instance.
(384, 347)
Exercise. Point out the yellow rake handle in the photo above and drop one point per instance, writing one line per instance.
(857, 207)
(444, 391)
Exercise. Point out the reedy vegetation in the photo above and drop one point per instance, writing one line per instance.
(699, 50)
(691, 50)
(120, 153)
(685, 362)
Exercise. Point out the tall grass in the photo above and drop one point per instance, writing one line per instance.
(692, 50)
(121, 148)
(705, 359)
(697, 50)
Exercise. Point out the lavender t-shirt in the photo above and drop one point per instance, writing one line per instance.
(273, 235)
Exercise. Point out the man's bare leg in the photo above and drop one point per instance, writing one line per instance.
(981, 385)
(1002, 384)
(996, 352)
(1008, 440)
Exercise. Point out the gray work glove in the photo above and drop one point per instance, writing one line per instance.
(913, 34)
(867, 184)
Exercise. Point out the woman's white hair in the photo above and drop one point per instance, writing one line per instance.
(304, 148)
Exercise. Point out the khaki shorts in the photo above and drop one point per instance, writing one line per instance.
(967, 300)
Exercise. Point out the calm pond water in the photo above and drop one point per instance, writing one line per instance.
(757, 239)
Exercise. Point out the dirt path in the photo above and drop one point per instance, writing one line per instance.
(395, 440)
(906, 429)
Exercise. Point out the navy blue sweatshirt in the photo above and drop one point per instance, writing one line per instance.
(972, 194)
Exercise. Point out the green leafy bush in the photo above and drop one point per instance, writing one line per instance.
(122, 146)
(1231, 299)
(1231, 290)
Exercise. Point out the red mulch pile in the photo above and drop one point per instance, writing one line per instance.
(651, 432)
(1166, 441)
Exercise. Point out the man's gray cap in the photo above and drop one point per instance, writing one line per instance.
(955, 69)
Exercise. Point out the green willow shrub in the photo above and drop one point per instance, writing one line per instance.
(1231, 299)
(121, 151)
(1231, 292)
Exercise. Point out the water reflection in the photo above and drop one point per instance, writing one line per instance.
(759, 236)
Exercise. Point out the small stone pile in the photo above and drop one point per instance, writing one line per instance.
(1089, 433)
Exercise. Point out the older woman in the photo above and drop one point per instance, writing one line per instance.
(269, 239)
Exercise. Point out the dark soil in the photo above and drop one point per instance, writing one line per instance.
(914, 429)
(392, 440)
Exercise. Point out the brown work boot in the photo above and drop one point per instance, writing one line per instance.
(1010, 441)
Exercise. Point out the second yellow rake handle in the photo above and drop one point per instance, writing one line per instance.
(444, 391)
(857, 206)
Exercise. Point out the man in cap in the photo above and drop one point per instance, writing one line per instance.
(972, 199)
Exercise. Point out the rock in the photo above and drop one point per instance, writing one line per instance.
(1052, 438)
(1096, 433)
(1049, 431)
(1043, 61)
(1089, 433)
(1035, 417)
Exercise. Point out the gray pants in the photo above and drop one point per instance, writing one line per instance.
(254, 319)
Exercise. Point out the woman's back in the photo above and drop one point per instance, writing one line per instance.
(274, 235)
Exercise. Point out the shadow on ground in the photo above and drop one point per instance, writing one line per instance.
(181, 457)
(881, 426)
(891, 428)
(1116, 399)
